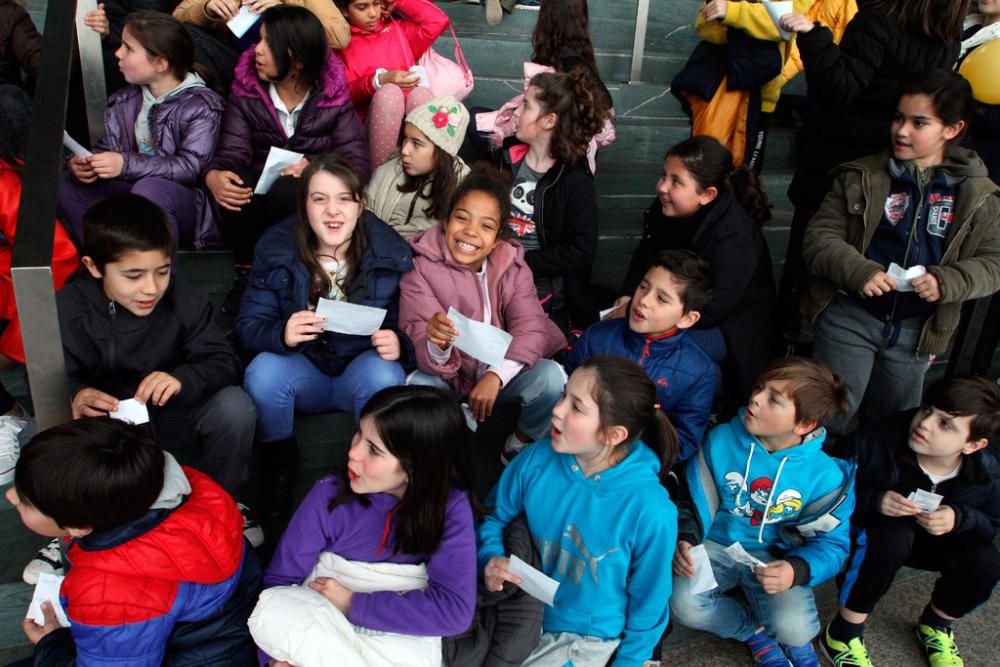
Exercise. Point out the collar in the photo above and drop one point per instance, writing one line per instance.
(272, 91)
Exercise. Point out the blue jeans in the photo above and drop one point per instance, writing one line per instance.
(790, 616)
(535, 389)
(283, 384)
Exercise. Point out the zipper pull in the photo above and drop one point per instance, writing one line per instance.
(111, 308)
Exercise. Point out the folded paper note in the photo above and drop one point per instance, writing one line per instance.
(776, 10)
(243, 21)
(703, 579)
(904, 277)
(533, 582)
(131, 411)
(350, 318)
(479, 340)
(277, 161)
(47, 590)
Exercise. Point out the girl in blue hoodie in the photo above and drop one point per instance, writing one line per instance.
(599, 515)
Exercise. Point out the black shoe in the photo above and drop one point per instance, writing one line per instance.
(231, 302)
(279, 460)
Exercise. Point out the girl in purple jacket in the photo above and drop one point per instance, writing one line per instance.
(159, 132)
(403, 498)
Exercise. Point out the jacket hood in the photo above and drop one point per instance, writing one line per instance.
(333, 81)
(958, 161)
(430, 243)
(191, 89)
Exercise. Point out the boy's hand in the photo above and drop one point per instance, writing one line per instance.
(895, 504)
(81, 170)
(441, 331)
(938, 522)
(157, 388)
(484, 395)
(302, 327)
(35, 632)
(495, 573)
(714, 9)
(927, 287)
(91, 402)
(335, 592)
(795, 23)
(776, 577)
(386, 343)
(620, 307)
(878, 285)
(108, 164)
(227, 189)
(683, 563)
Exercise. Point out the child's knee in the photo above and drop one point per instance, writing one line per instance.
(549, 380)
(263, 374)
(793, 628)
(380, 373)
(693, 611)
(981, 563)
(234, 406)
(388, 94)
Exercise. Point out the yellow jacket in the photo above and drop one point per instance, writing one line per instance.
(835, 15)
(338, 31)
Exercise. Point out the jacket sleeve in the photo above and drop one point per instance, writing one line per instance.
(209, 362)
(869, 483)
(260, 324)
(417, 304)
(508, 505)
(349, 137)
(24, 41)
(311, 529)
(338, 30)
(979, 275)
(733, 259)
(135, 644)
(234, 149)
(826, 550)
(579, 245)
(710, 31)
(424, 24)
(977, 521)
(407, 356)
(193, 12)
(690, 415)
(199, 136)
(523, 317)
(835, 16)
(753, 19)
(579, 353)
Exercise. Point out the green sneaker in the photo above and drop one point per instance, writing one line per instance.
(939, 645)
(851, 654)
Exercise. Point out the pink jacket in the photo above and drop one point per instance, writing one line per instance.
(437, 282)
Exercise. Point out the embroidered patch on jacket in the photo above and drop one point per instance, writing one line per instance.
(895, 207)
(940, 214)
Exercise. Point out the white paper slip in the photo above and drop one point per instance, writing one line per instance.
(74, 146)
(904, 277)
(703, 578)
(927, 501)
(350, 318)
(776, 10)
(536, 584)
(480, 340)
(277, 161)
(607, 311)
(243, 21)
(421, 71)
(740, 555)
(131, 411)
(47, 590)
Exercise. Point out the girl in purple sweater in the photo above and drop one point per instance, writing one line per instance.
(402, 499)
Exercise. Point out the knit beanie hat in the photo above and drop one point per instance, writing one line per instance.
(444, 120)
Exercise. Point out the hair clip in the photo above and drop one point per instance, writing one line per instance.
(656, 406)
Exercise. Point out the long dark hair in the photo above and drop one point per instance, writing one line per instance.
(941, 19)
(295, 35)
(579, 106)
(625, 396)
(562, 26)
(425, 429)
(437, 187)
(305, 238)
(711, 165)
(15, 109)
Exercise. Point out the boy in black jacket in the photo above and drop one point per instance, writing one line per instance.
(941, 448)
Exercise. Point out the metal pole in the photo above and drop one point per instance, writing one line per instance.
(639, 41)
(95, 96)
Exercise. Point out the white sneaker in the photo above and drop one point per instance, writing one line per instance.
(10, 445)
(511, 448)
(251, 529)
(48, 559)
(494, 12)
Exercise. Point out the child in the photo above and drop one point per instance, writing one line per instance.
(558, 116)
(763, 482)
(21, 45)
(159, 132)
(388, 544)
(668, 301)
(289, 91)
(927, 204)
(467, 263)
(160, 571)
(332, 250)
(413, 190)
(379, 61)
(941, 447)
(215, 13)
(709, 206)
(598, 514)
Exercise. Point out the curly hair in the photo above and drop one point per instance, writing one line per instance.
(579, 107)
(562, 26)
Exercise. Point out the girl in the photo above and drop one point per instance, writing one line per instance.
(289, 91)
(380, 61)
(400, 513)
(707, 205)
(467, 263)
(159, 132)
(332, 250)
(599, 516)
(413, 190)
(559, 115)
(927, 205)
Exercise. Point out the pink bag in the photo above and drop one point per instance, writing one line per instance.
(448, 77)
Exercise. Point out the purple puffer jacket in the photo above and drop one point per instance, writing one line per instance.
(327, 122)
(185, 128)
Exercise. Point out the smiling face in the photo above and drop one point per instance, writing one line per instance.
(135, 63)
(678, 191)
(658, 305)
(473, 229)
(418, 153)
(917, 132)
(135, 281)
(364, 14)
(371, 468)
(533, 125)
(333, 213)
(940, 437)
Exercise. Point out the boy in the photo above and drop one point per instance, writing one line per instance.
(763, 482)
(666, 303)
(941, 447)
(161, 573)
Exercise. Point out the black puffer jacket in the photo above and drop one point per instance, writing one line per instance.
(20, 44)
(853, 91)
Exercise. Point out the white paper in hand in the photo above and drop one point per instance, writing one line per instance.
(776, 10)
(243, 21)
(536, 584)
(480, 340)
(927, 501)
(421, 71)
(74, 146)
(277, 161)
(350, 318)
(131, 411)
(703, 578)
(740, 555)
(904, 277)
(47, 590)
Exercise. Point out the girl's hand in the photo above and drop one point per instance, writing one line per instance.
(441, 331)
(388, 7)
(714, 9)
(107, 164)
(157, 387)
(302, 327)
(227, 189)
(927, 287)
(35, 632)
(296, 169)
(92, 402)
(401, 77)
(895, 504)
(776, 577)
(620, 307)
(97, 21)
(81, 170)
(386, 343)
(938, 522)
(795, 23)
(878, 285)
(495, 573)
(335, 592)
(222, 9)
(258, 6)
(683, 563)
(484, 395)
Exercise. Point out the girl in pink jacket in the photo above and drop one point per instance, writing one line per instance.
(467, 263)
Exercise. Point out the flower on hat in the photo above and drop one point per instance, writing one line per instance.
(440, 118)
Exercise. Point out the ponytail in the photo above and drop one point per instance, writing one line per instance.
(661, 436)
(746, 186)
(579, 106)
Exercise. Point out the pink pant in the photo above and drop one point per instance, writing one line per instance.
(389, 106)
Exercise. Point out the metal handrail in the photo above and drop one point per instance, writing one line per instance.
(639, 41)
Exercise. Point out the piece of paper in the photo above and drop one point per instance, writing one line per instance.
(277, 160)
(131, 411)
(607, 311)
(536, 584)
(904, 277)
(47, 590)
(740, 555)
(480, 340)
(776, 10)
(74, 146)
(350, 318)
(421, 71)
(703, 578)
(927, 501)
(243, 21)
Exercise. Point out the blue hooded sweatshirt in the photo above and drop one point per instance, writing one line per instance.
(607, 539)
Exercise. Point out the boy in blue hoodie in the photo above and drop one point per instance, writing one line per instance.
(667, 302)
(763, 482)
